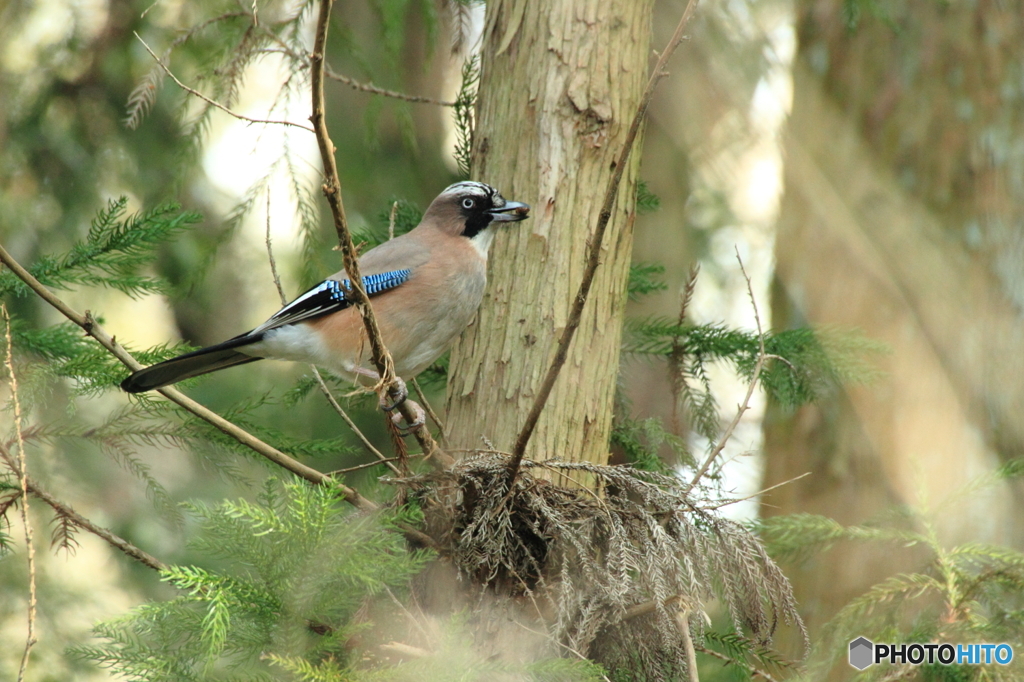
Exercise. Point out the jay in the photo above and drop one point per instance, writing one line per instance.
(426, 286)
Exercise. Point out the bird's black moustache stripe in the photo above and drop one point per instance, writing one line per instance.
(476, 223)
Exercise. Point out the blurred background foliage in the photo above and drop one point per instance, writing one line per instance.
(891, 203)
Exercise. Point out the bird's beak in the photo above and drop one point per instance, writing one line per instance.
(511, 212)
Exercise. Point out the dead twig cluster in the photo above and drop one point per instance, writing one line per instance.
(608, 574)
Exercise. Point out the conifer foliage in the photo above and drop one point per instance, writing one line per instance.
(114, 250)
(291, 580)
(299, 565)
(961, 593)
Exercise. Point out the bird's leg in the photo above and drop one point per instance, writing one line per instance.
(403, 397)
(421, 418)
(403, 392)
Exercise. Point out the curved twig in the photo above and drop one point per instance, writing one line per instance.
(21, 471)
(82, 522)
(755, 672)
(286, 49)
(745, 405)
(683, 620)
(430, 410)
(213, 102)
(373, 89)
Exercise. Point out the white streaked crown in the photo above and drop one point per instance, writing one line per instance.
(472, 187)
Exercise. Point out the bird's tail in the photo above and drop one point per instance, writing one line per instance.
(202, 361)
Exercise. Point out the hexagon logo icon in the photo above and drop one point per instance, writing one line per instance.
(861, 653)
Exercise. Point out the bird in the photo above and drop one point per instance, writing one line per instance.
(425, 287)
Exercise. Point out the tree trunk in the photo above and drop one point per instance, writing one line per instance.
(560, 84)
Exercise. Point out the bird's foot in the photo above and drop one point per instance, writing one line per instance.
(397, 418)
(403, 395)
(421, 419)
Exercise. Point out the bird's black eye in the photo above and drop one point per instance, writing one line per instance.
(468, 203)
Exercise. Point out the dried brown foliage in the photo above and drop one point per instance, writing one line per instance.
(605, 573)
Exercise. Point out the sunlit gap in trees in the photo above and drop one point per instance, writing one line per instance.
(736, 183)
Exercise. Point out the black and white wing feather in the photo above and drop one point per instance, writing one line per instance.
(329, 296)
(323, 299)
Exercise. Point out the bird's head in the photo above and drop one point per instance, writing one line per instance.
(468, 209)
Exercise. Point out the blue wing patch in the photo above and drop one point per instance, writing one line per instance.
(328, 297)
(375, 284)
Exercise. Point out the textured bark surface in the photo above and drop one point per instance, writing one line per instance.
(560, 83)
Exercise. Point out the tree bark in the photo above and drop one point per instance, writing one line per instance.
(560, 83)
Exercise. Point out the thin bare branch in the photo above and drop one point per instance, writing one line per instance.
(143, 95)
(555, 641)
(371, 88)
(745, 405)
(22, 469)
(646, 608)
(677, 355)
(213, 102)
(389, 384)
(594, 253)
(351, 424)
(367, 465)
(286, 49)
(784, 361)
(430, 410)
(406, 650)
(270, 257)
(82, 522)
(413, 620)
(758, 493)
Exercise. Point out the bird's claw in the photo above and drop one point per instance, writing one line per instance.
(397, 418)
(421, 419)
(403, 395)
